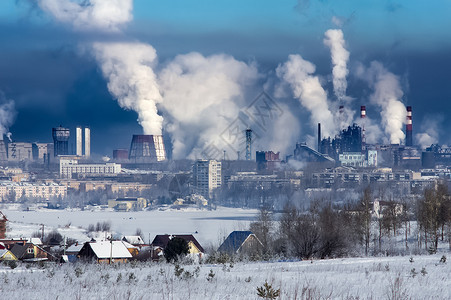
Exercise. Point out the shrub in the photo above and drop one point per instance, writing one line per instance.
(267, 291)
(12, 264)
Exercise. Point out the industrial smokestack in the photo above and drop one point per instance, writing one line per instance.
(78, 141)
(319, 137)
(87, 142)
(362, 112)
(363, 116)
(248, 144)
(409, 142)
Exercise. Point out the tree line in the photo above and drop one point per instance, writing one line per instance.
(330, 230)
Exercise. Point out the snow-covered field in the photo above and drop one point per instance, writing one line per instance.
(350, 278)
(212, 226)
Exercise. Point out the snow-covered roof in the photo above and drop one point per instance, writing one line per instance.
(128, 245)
(105, 249)
(35, 240)
(133, 239)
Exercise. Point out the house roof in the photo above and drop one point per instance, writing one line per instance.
(107, 249)
(162, 240)
(20, 251)
(4, 251)
(234, 241)
(133, 239)
(74, 247)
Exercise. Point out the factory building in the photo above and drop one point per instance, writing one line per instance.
(60, 140)
(267, 160)
(70, 168)
(147, 149)
(348, 140)
(304, 153)
(120, 154)
(19, 151)
(206, 177)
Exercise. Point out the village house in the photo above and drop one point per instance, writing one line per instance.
(241, 242)
(5, 254)
(29, 252)
(105, 252)
(160, 242)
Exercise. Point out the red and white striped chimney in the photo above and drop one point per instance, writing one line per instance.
(409, 142)
(363, 116)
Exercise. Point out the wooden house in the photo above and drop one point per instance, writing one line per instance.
(105, 252)
(241, 242)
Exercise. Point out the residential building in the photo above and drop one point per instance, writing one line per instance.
(127, 204)
(206, 177)
(71, 167)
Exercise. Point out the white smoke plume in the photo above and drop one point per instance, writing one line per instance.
(429, 131)
(202, 96)
(7, 114)
(334, 39)
(373, 133)
(106, 15)
(128, 67)
(387, 96)
(297, 72)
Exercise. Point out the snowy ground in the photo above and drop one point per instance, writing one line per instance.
(212, 226)
(351, 278)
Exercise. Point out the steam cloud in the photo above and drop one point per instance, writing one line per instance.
(430, 131)
(387, 92)
(7, 114)
(202, 96)
(335, 41)
(297, 72)
(128, 67)
(107, 15)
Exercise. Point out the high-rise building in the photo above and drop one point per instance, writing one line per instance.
(79, 141)
(60, 140)
(206, 177)
(87, 142)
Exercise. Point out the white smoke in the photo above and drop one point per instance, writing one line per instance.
(106, 15)
(297, 72)
(278, 137)
(202, 96)
(7, 114)
(128, 67)
(387, 95)
(429, 131)
(373, 133)
(334, 39)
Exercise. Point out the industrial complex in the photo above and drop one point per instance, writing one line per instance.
(47, 171)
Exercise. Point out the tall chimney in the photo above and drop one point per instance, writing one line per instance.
(78, 141)
(409, 127)
(363, 117)
(87, 142)
(319, 137)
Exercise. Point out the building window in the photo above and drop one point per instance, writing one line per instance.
(30, 251)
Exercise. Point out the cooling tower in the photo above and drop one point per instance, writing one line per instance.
(147, 148)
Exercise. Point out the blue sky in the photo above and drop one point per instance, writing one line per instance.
(43, 70)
